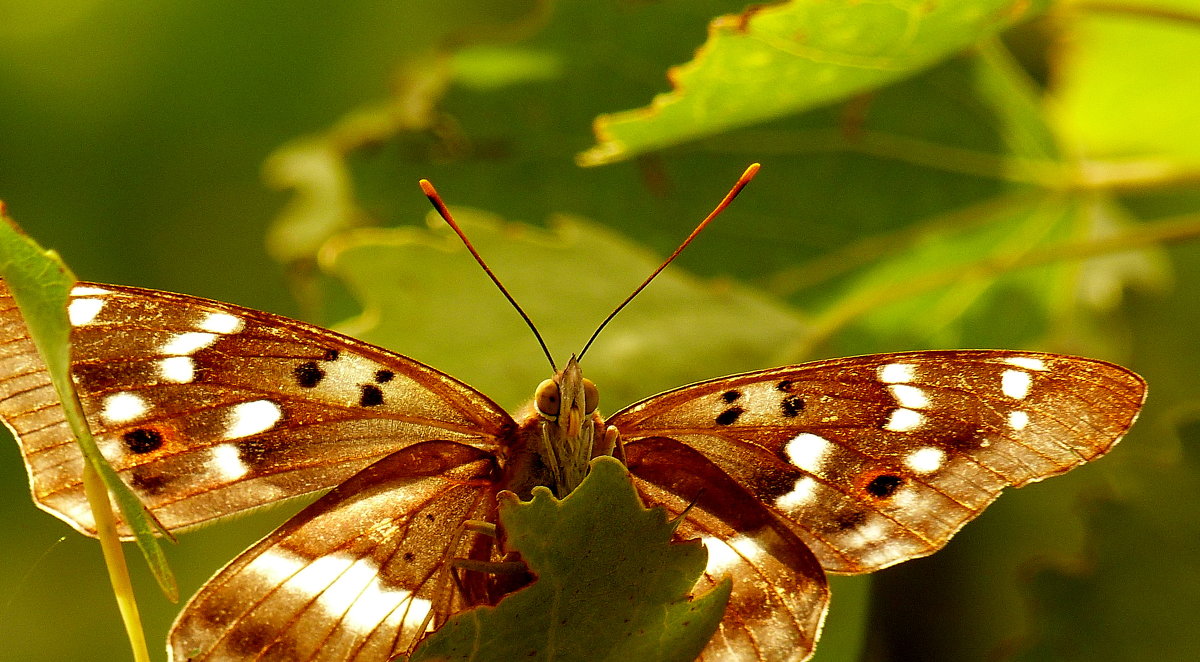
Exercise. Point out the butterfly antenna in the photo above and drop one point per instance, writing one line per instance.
(440, 206)
(733, 193)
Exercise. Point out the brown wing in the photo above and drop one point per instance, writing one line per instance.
(360, 575)
(873, 460)
(206, 408)
(779, 593)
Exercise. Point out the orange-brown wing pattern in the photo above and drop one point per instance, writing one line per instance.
(206, 408)
(873, 460)
(779, 595)
(361, 574)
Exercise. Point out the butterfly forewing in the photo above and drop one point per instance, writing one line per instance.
(876, 459)
(207, 409)
(361, 574)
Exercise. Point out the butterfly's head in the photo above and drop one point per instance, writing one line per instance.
(566, 426)
(568, 399)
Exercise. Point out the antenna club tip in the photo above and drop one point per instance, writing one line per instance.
(427, 187)
(751, 171)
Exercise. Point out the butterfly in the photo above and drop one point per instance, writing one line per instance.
(845, 465)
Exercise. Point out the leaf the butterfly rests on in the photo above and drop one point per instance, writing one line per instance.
(579, 548)
(843, 465)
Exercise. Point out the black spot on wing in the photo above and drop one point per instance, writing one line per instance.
(731, 396)
(730, 416)
(884, 485)
(142, 440)
(308, 374)
(791, 406)
(372, 396)
(331, 355)
(384, 376)
(784, 386)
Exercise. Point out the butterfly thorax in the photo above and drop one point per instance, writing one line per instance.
(557, 438)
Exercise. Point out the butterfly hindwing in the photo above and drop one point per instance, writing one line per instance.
(873, 460)
(206, 408)
(361, 574)
(779, 595)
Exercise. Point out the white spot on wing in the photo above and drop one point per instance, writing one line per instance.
(748, 547)
(724, 555)
(897, 373)
(249, 418)
(188, 343)
(88, 291)
(110, 448)
(909, 396)
(122, 407)
(227, 462)
(904, 420)
(221, 323)
(178, 369)
(83, 311)
(807, 451)
(276, 566)
(802, 492)
(1018, 419)
(351, 591)
(925, 460)
(904, 497)
(1016, 384)
(721, 556)
(869, 531)
(1027, 362)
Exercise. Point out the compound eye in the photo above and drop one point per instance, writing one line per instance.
(591, 396)
(547, 400)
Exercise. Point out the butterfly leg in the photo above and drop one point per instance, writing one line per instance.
(610, 444)
(481, 527)
(502, 577)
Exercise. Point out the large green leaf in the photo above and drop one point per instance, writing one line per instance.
(610, 586)
(422, 294)
(789, 57)
(1114, 101)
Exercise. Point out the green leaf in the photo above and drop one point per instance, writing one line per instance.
(610, 585)
(1118, 88)
(423, 295)
(785, 58)
(41, 285)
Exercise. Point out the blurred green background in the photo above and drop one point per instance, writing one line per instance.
(959, 174)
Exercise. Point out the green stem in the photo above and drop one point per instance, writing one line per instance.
(114, 560)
